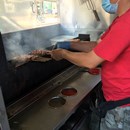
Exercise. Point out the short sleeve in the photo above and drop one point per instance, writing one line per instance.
(114, 42)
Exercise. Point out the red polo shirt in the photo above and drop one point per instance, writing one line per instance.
(115, 49)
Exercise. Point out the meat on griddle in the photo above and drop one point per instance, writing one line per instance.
(41, 58)
(20, 60)
(38, 57)
(40, 52)
(41, 55)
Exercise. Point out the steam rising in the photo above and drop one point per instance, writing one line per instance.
(17, 44)
(13, 47)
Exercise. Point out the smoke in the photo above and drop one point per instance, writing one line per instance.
(12, 46)
(23, 42)
(20, 43)
(17, 44)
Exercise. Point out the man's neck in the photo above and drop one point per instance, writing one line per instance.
(122, 9)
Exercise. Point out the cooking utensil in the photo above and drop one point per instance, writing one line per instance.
(93, 8)
(90, 6)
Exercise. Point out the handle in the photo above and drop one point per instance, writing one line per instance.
(96, 15)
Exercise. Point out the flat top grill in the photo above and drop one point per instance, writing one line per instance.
(41, 115)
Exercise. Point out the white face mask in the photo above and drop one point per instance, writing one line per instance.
(109, 7)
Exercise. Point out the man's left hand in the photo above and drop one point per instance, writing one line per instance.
(57, 54)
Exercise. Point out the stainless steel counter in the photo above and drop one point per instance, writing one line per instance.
(41, 116)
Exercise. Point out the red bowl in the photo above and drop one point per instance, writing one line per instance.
(69, 91)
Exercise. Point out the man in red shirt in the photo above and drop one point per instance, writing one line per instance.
(112, 50)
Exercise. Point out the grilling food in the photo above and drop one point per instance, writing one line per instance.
(20, 60)
(39, 56)
(40, 52)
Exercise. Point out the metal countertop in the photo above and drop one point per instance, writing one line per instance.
(41, 116)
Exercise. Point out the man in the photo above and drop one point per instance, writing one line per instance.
(112, 50)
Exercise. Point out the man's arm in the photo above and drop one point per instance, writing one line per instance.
(84, 46)
(82, 59)
(77, 45)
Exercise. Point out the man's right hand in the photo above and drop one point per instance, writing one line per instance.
(66, 44)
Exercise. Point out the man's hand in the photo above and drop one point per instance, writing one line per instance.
(57, 54)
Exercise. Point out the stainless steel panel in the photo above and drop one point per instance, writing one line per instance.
(43, 117)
